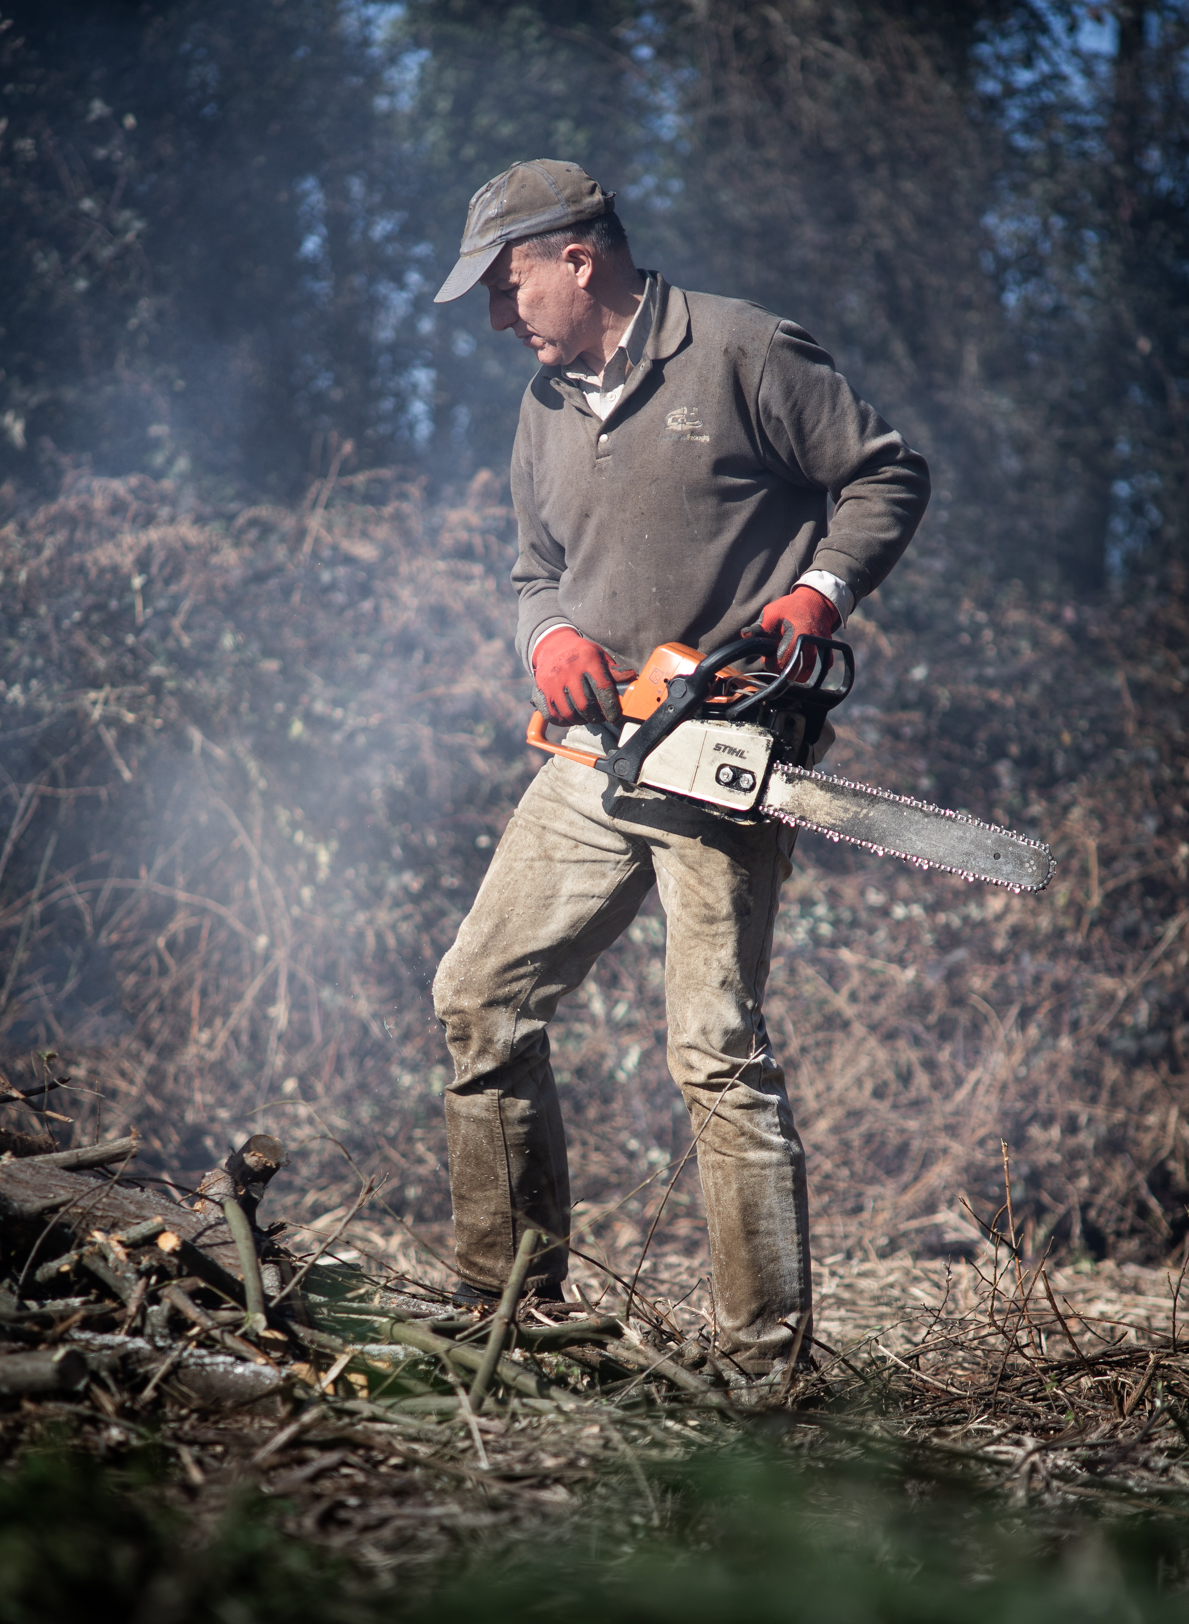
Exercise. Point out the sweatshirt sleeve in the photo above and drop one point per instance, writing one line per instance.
(541, 561)
(815, 430)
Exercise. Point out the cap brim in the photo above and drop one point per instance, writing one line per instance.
(466, 273)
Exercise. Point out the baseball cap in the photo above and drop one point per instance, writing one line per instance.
(541, 195)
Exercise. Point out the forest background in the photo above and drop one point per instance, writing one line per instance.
(262, 723)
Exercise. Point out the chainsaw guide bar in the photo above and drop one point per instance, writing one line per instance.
(897, 826)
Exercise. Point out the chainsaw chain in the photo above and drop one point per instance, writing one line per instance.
(792, 773)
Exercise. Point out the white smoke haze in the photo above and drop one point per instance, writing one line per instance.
(256, 758)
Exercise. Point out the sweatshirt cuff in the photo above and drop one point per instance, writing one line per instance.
(839, 594)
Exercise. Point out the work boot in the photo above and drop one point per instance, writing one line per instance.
(765, 1374)
(464, 1295)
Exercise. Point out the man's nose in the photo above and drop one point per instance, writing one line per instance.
(502, 310)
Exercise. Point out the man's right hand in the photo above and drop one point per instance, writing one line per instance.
(804, 609)
(575, 679)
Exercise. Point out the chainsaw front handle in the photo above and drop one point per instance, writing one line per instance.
(536, 737)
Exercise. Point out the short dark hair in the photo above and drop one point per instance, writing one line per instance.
(603, 235)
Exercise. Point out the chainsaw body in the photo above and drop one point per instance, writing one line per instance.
(741, 742)
(701, 726)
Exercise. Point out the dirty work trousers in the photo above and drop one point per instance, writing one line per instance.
(572, 869)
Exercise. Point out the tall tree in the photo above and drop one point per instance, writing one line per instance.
(842, 158)
(1146, 209)
(224, 226)
(206, 219)
(485, 84)
(76, 284)
(1091, 245)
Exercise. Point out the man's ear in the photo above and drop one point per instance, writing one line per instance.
(581, 261)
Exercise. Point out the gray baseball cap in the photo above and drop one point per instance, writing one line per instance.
(542, 195)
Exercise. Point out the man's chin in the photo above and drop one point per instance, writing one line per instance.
(549, 355)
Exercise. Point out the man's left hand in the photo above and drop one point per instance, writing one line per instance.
(576, 679)
(803, 611)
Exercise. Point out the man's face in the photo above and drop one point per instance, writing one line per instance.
(543, 301)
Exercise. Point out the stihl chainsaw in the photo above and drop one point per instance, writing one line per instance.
(741, 742)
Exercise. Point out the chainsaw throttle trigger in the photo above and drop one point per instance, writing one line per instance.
(685, 695)
(812, 699)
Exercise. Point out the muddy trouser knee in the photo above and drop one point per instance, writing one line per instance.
(569, 875)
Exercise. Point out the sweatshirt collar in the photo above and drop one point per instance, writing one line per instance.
(631, 346)
(670, 326)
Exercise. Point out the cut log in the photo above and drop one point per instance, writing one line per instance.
(227, 1384)
(52, 1371)
(399, 1333)
(30, 1188)
(244, 1176)
(115, 1150)
(136, 1236)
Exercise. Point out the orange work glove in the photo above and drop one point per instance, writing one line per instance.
(576, 679)
(803, 610)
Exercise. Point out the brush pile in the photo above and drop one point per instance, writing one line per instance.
(383, 1419)
(126, 1312)
(256, 759)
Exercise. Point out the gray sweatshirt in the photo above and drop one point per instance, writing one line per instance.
(702, 496)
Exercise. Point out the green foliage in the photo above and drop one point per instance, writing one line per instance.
(79, 1540)
(752, 1531)
(67, 1534)
(756, 1534)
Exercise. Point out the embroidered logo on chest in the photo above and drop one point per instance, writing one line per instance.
(685, 423)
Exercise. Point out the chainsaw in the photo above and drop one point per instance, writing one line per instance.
(741, 743)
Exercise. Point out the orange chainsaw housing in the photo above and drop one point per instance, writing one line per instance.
(670, 660)
(650, 689)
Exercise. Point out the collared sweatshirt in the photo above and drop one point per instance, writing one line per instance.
(703, 494)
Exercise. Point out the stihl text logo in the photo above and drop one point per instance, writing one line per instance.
(730, 750)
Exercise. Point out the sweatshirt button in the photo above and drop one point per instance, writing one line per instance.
(602, 439)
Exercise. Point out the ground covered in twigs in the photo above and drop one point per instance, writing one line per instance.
(986, 1437)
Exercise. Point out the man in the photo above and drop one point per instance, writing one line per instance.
(671, 471)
